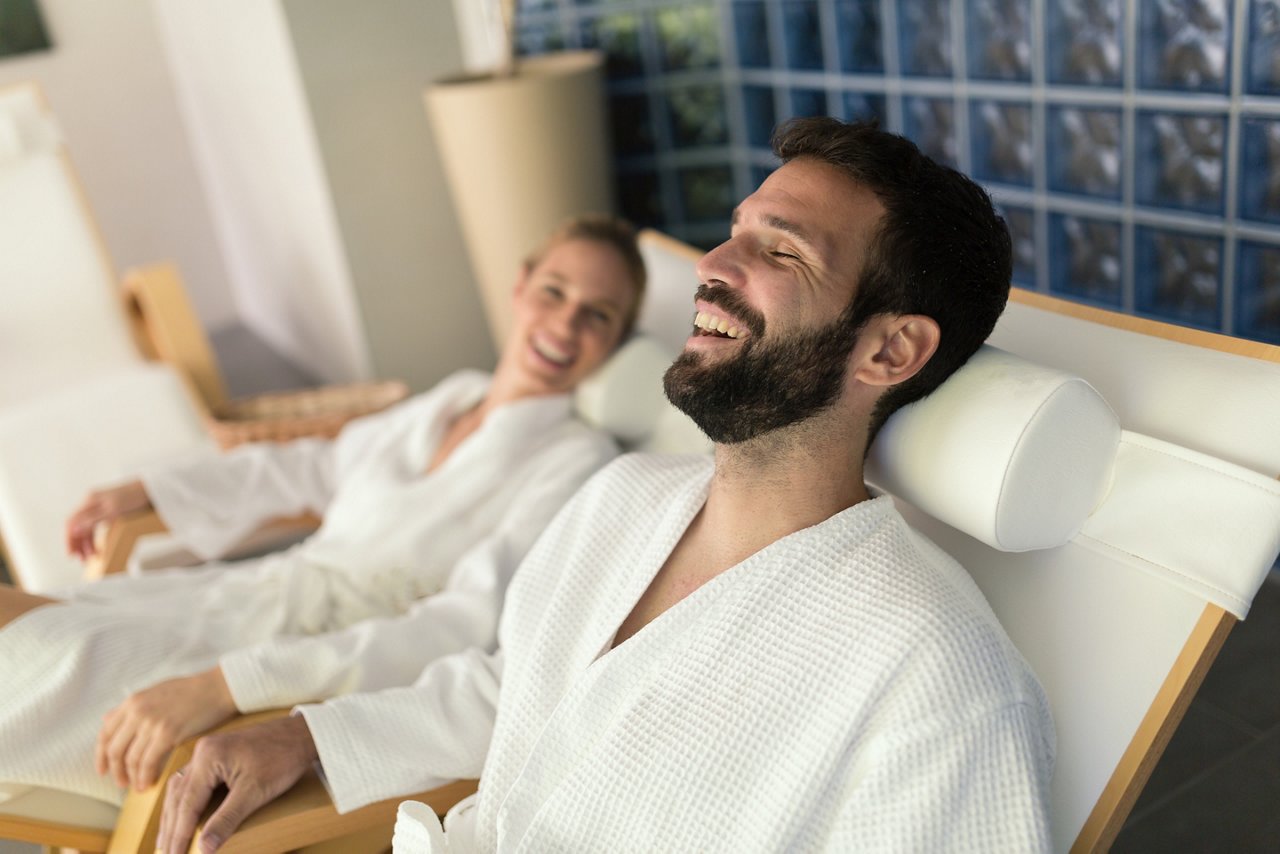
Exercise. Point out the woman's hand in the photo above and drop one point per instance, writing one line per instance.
(102, 506)
(137, 735)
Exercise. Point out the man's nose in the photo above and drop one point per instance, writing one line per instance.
(722, 265)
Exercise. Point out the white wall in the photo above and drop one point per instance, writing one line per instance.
(364, 67)
(245, 108)
(108, 82)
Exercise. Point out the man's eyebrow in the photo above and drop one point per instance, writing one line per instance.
(786, 225)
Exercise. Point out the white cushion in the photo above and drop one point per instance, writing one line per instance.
(625, 397)
(54, 450)
(1014, 454)
(62, 319)
(52, 805)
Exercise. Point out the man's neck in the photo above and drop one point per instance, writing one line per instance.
(782, 482)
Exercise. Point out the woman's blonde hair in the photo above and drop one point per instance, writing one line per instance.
(612, 231)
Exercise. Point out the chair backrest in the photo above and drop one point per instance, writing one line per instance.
(157, 303)
(61, 322)
(1121, 622)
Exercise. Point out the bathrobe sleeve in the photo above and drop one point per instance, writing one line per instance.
(385, 652)
(407, 740)
(212, 502)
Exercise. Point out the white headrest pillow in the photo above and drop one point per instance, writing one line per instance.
(624, 396)
(1014, 454)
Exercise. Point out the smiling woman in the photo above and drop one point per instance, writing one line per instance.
(428, 507)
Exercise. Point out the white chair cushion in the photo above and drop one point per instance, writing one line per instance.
(625, 397)
(1014, 454)
(52, 805)
(54, 450)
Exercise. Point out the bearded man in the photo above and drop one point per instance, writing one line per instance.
(751, 652)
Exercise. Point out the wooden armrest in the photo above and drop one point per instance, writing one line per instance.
(115, 540)
(302, 816)
(168, 330)
(139, 821)
(305, 815)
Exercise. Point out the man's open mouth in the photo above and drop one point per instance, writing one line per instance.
(718, 327)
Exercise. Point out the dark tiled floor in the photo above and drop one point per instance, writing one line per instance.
(1217, 787)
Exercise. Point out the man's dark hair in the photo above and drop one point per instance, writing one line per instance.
(941, 249)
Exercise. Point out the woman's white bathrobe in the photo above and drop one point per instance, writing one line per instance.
(845, 688)
(349, 609)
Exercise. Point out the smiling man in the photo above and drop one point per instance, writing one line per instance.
(750, 653)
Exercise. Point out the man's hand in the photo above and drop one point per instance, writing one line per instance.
(138, 734)
(102, 506)
(257, 764)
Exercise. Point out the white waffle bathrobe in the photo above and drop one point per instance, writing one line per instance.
(845, 688)
(350, 609)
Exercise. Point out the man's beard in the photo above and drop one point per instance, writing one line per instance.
(766, 386)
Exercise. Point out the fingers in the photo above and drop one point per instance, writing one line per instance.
(110, 723)
(186, 797)
(147, 756)
(117, 749)
(101, 506)
(240, 803)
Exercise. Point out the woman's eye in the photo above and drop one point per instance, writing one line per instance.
(778, 253)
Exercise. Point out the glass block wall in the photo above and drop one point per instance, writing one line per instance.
(1134, 147)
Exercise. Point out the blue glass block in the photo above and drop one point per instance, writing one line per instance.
(808, 102)
(759, 173)
(640, 198)
(697, 116)
(619, 37)
(931, 124)
(539, 36)
(1184, 45)
(1085, 151)
(998, 42)
(1262, 68)
(1022, 235)
(706, 193)
(751, 32)
(1178, 277)
(631, 125)
(1180, 160)
(861, 106)
(688, 37)
(858, 28)
(1001, 141)
(1084, 42)
(802, 34)
(1085, 260)
(1260, 169)
(924, 37)
(1258, 291)
(760, 114)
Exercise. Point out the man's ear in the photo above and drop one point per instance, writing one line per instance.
(897, 347)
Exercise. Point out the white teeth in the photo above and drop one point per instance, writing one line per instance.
(551, 353)
(705, 320)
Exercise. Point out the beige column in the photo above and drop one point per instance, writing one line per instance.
(520, 154)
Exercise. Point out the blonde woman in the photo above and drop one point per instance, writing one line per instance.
(428, 508)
